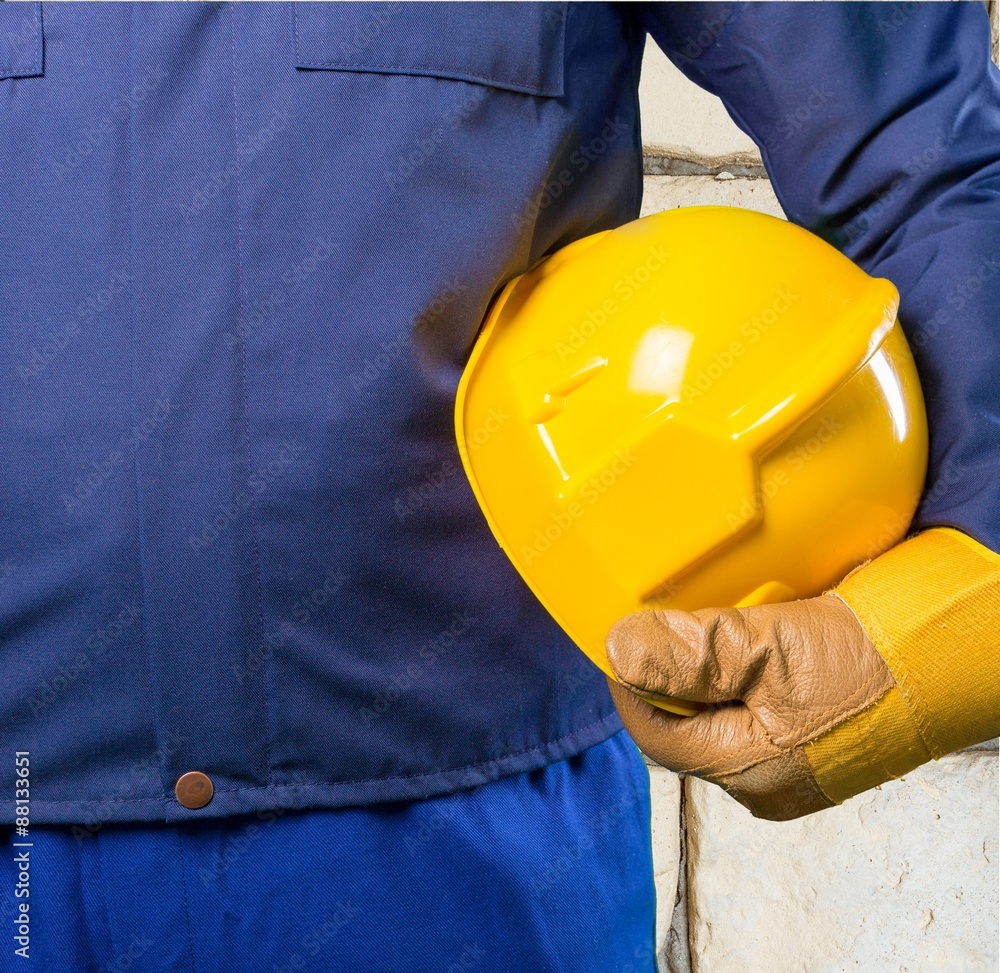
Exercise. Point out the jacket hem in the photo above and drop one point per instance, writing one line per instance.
(318, 794)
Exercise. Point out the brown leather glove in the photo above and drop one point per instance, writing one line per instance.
(776, 676)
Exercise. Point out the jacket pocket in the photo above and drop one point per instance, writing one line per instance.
(20, 40)
(516, 46)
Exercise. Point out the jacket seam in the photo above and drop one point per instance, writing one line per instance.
(154, 693)
(242, 328)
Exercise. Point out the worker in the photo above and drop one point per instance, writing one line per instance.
(273, 699)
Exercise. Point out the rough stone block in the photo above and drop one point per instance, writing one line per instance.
(669, 192)
(681, 120)
(666, 797)
(898, 880)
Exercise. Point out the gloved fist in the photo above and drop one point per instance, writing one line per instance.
(779, 676)
(803, 712)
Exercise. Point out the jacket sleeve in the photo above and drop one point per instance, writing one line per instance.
(879, 125)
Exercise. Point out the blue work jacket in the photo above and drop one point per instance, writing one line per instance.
(244, 254)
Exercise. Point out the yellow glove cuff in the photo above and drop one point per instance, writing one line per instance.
(931, 606)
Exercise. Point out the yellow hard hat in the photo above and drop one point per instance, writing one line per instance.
(707, 407)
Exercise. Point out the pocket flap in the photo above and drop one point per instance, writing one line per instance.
(518, 46)
(20, 40)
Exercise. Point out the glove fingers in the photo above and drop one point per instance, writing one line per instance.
(706, 656)
(728, 747)
(717, 742)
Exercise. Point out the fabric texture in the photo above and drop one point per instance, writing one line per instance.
(930, 606)
(236, 297)
(247, 249)
(546, 871)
